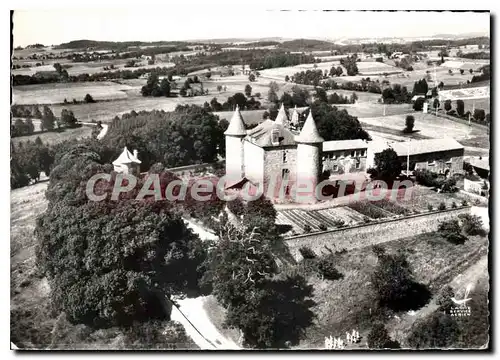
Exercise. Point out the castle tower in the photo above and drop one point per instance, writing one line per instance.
(282, 118)
(309, 147)
(127, 162)
(234, 146)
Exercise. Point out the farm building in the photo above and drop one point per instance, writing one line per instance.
(345, 156)
(443, 156)
(481, 166)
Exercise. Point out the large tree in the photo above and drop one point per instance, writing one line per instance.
(269, 311)
(111, 262)
(248, 90)
(387, 164)
(394, 284)
(334, 124)
(68, 119)
(48, 119)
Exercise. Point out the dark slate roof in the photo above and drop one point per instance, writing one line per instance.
(261, 135)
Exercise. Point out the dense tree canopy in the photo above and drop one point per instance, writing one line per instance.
(387, 164)
(187, 136)
(111, 262)
(335, 124)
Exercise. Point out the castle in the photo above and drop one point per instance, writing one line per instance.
(277, 154)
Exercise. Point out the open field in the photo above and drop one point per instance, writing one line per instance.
(77, 68)
(367, 110)
(54, 137)
(57, 92)
(363, 96)
(347, 303)
(429, 125)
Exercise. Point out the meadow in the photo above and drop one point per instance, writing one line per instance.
(55, 93)
(348, 303)
(54, 137)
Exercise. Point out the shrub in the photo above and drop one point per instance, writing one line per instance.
(435, 331)
(430, 207)
(427, 178)
(323, 227)
(449, 185)
(88, 99)
(378, 338)
(472, 225)
(307, 252)
(339, 223)
(378, 250)
(307, 228)
(464, 202)
(443, 298)
(453, 205)
(451, 231)
(442, 206)
(325, 267)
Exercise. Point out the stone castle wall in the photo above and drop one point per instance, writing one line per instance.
(371, 233)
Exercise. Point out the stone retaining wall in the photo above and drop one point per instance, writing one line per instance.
(372, 233)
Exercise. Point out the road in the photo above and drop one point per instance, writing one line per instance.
(193, 316)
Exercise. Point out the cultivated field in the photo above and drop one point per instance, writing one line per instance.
(363, 96)
(54, 137)
(56, 93)
(361, 211)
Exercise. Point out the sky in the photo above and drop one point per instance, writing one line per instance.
(55, 26)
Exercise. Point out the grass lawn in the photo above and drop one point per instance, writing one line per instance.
(346, 304)
(54, 137)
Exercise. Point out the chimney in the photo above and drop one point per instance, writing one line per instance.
(135, 153)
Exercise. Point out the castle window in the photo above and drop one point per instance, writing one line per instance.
(284, 156)
(363, 152)
(353, 153)
(358, 163)
(285, 173)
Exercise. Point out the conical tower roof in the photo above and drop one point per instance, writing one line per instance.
(281, 118)
(126, 157)
(236, 125)
(309, 133)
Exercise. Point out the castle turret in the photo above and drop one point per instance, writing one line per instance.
(282, 118)
(309, 147)
(294, 121)
(234, 146)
